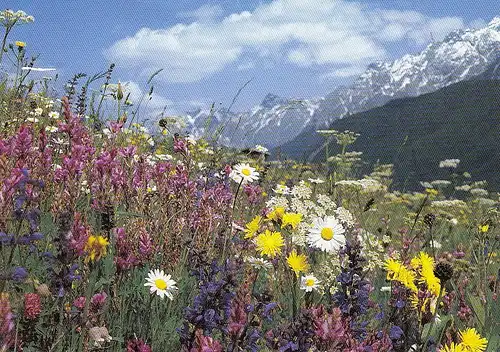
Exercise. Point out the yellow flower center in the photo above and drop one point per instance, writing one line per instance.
(327, 233)
(246, 172)
(310, 282)
(161, 284)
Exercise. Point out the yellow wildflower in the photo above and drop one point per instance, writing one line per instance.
(269, 243)
(453, 348)
(276, 214)
(20, 44)
(472, 341)
(424, 264)
(252, 227)
(393, 267)
(297, 262)
(292, 219)
(396, 271)
(96, 247)
(484, 228)
(431, 191)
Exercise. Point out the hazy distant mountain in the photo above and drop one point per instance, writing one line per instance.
(460, 56)
(273, 122)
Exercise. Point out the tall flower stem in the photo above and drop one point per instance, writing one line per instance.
(294, 296)
(12, 251)
(4, 41)
(231, 220)
(428, 335)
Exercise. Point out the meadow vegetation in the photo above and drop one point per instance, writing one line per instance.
(118, 235)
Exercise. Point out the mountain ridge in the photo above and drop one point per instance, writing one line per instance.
(460, 121)
(462, 54)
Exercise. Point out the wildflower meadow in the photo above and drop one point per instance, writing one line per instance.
(119, 234)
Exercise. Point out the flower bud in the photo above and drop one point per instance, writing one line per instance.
(119, 92)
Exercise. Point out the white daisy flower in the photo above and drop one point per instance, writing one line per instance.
(151, 189)
(38, 112)
(244, 173)
(435, 244)
(309, 283)
(51, 129)
(161, 284)
(326, 234)
(191, 140)
(259, 263)
(107, 132)
(32, 119)
(60, 141)
(150, 160)
(54, 115)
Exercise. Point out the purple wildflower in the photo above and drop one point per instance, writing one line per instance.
(19, 274)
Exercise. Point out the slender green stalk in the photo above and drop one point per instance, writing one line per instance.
(4, 41)
(231, 220)
(428, 335)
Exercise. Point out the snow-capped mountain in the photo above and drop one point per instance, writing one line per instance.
(462, 55)
(273, 122)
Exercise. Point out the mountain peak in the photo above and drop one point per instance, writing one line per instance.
(495, 23)
(271, 100)
(463, 54)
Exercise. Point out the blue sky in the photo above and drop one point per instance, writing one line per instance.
(209, 49)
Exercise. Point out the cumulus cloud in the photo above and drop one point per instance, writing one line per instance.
(343, 72)
(206, 12)
(156, 103)
(246, 66)
(329, 33)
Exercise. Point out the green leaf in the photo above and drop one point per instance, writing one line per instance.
(128, 214)
(478, 309)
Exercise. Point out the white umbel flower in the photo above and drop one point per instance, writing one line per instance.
(161, 284)
(281, 189)
(316, 181)
(451, 163)
(260, 149)
(309, 283)
(244, 173)
(326, 234)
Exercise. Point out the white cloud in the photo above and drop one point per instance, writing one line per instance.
(478, 23)
(303, 32)
(435, 29)
(246, 66)
(347, 71)
(156, 103)
(207, 12)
